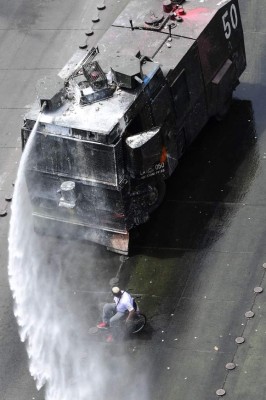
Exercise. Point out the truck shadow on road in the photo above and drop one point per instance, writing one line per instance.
(211, 180)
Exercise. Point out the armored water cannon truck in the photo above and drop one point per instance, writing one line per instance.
(119, 116)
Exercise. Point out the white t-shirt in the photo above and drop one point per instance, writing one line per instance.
(125, 303)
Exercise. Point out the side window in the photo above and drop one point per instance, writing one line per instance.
(180, 95)
(141, 122)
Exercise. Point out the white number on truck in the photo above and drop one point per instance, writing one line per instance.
(230, 20)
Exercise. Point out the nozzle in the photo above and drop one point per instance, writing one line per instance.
(44, 104)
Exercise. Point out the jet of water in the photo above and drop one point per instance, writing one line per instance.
(53, 319)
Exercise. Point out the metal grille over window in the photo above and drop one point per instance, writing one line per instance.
(95, 75)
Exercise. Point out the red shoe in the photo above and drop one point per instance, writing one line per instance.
(109, 339)
(102, 325)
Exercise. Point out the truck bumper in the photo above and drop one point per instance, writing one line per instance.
(115, 241)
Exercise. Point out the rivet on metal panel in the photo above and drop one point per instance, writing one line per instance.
(239, 340)
(95, 19)
(89, 33)
(230, 366)
(258, 289)
(8, 197)
(264, 265)
(249, 314)
(220, 392)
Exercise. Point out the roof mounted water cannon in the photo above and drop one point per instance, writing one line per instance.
(96, 86)
(51, 90)
(95, 75)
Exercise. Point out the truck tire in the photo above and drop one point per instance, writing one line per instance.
(224, 109)
(157, 193)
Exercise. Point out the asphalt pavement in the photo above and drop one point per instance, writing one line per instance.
(194, 265)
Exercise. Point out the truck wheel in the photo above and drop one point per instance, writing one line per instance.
(156, 194)
(223, 110)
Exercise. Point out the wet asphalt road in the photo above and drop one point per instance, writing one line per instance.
(198, 260)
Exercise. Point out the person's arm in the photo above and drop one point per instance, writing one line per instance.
(130, 315)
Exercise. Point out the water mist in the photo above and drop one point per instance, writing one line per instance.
(54, 320)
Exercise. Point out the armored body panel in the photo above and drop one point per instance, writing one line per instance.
(127, 110)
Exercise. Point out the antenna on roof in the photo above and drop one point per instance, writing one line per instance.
(170, 30)
(131, 24)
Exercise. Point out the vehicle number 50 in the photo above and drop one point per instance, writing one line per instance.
(230, 21)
